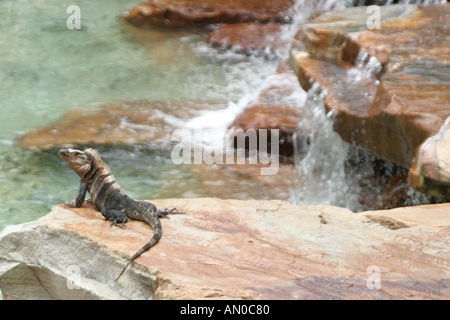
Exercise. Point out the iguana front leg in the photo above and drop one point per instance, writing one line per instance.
(80, 197)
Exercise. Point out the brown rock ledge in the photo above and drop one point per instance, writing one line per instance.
(175, 13)
(232, 249)
(249, 38)
(276, 106)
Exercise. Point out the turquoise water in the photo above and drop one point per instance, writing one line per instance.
(47, 70)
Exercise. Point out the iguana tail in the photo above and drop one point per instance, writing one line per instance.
(148, 245)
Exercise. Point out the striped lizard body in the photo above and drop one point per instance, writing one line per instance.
(109, 198)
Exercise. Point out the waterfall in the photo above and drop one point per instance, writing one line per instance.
(321, 172)
(320, 155)
(331, 171)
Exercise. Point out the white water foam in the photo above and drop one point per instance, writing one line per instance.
(322, 177)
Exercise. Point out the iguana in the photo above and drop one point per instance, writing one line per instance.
(109, 198)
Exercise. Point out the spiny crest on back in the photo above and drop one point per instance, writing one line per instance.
(94, 153)
(97, 159)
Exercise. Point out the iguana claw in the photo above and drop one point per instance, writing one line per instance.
(69, 204)
(116, 221)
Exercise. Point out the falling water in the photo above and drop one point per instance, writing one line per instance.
(321, 172)
(320, 153)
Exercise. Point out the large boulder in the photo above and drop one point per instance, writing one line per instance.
(389, 85)
(232, 249)
(202, 12)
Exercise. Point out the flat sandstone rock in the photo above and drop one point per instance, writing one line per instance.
(231, 249)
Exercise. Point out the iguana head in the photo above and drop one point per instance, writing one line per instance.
(80, 161)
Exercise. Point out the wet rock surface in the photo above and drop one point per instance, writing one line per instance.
(275, 106)
(126, 123)
(249, 38)
(391, 105)
(176, 13)
(232, 249)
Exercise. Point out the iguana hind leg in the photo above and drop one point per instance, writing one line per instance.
(116, 216)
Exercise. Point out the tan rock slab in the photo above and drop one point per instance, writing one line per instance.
(436, 215)
(430, 171)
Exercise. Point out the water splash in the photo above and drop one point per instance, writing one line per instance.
(321, 172)
(366, 68)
